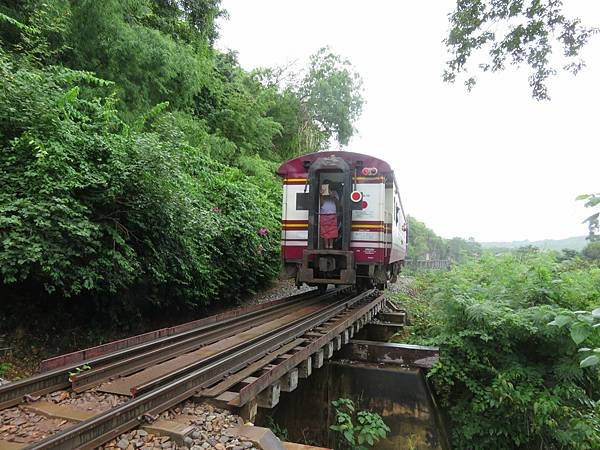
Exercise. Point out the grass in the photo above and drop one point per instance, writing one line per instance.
(408, 294)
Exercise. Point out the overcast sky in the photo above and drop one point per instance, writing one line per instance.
(492, 164)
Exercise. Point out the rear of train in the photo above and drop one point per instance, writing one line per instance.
(371, 242)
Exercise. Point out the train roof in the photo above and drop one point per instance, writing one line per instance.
(296, 166)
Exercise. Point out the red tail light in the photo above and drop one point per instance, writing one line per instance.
(356, 196)
(369, 171)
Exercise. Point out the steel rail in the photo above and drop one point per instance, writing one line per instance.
(139, 361)
(182, 371)
(105, 426)
(13, 393)
(77, 357)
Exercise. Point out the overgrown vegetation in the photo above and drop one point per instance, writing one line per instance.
(90, 205)
(358, 430)
(137, 162)
(510, 374)
(137, 165)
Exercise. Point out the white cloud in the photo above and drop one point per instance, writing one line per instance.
(493, 164)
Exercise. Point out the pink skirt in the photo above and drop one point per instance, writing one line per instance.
(328, 226)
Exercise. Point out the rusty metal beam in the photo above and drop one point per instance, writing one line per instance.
(377, 331)
(81, 356)
(388, 353)
(397, 317)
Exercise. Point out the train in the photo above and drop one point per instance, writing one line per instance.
(343, 222)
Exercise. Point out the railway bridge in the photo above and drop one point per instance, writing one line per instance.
(241, 360)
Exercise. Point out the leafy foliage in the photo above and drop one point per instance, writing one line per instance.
(161, 50)
(582, 325)
(4, 367)
(89, 205)
(592, 251)
(330, 92)
(368, 430)
(515, 32)
(507, 377)
(136, 161)
(115, 40)
(198, 17)
(235, 106)
(318, 106)
(78, 370)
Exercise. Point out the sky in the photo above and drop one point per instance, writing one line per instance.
(493, 164)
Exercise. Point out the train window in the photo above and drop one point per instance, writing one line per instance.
(397, 214)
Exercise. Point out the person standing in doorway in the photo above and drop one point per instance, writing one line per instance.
(328, 215)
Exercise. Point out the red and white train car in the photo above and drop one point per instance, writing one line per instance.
(370, 246)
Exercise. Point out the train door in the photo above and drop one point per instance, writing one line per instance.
(328, 257)
(331, 220)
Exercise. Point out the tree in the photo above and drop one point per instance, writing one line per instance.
(236, 106)
(592, 251)
(331, 95)
(315, 107)
(119, 124)
(127, 209)
(593, 221)
(568, 254)
(460, 249)
(423, 243)
(200, 15)
(112, 39)
(517, 32)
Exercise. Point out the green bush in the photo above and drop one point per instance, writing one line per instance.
(507, 377)
(4, 367)
(92, 207)
(592, 251)
(357, 430)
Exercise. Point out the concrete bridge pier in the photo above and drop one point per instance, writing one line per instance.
(386, 378)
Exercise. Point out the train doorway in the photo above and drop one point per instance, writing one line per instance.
(330, 210)
(328, 258)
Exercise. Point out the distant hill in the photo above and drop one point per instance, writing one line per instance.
(573, 243)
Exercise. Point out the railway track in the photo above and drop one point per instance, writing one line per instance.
(241, 358)
(135, 356)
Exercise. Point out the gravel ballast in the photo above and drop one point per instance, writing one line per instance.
(208, 424)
